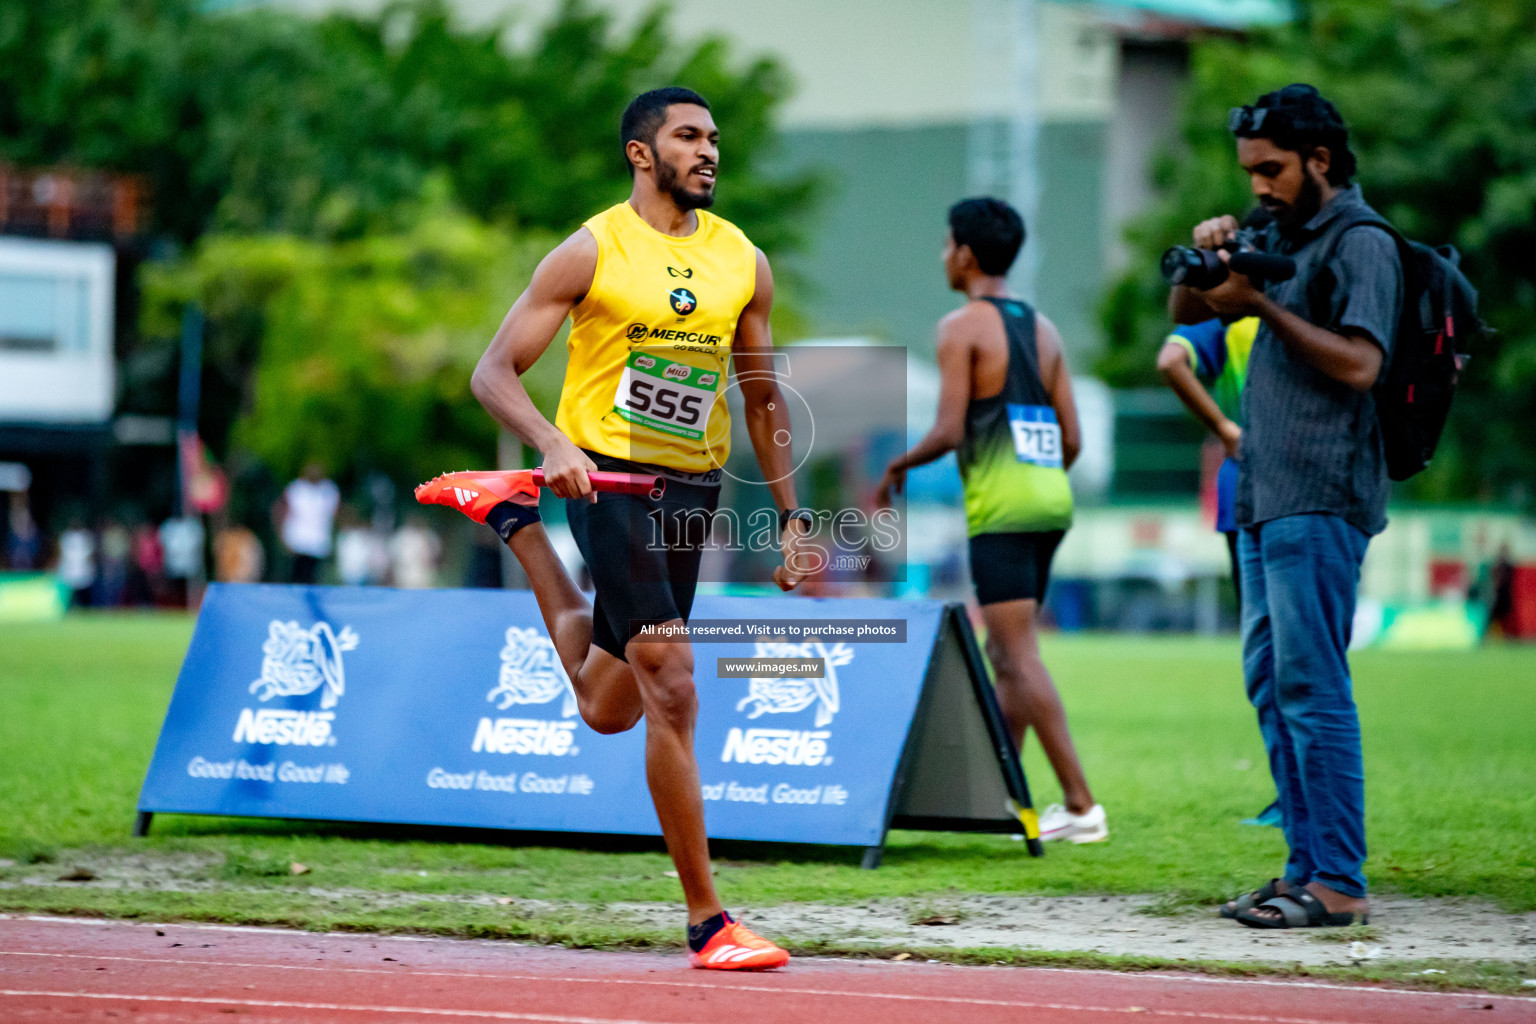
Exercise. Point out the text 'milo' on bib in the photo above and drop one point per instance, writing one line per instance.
(1036, 435)
(666, 395)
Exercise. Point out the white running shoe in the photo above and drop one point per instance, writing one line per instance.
(1059, 823)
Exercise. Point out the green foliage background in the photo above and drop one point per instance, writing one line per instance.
(1440, 98)
(366, 346)
(261, 120)
(358, 198)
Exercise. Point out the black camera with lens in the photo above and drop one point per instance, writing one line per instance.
(1203, 268)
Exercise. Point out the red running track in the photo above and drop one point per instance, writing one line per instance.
(58, 970)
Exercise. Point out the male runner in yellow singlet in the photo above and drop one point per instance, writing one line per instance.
(661, 295)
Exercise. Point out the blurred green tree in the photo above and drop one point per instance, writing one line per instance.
(365, 346)
(361, 197)
(1440, 98)
(263, 120)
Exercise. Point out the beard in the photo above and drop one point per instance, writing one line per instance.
(1292, 215)
(670, 181)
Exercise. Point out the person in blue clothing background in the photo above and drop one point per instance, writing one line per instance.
(1206, 364)
(1214, 355)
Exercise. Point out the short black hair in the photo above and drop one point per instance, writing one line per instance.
(647, 112)
(1299, 119)
(992, 230)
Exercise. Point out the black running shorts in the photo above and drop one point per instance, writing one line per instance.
(1013, 566)
(643, 553)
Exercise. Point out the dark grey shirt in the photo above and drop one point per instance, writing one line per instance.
(1311, 443)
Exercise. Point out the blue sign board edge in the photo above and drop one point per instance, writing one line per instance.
(946, 618)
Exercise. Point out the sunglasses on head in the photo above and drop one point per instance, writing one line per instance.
(1247, 119)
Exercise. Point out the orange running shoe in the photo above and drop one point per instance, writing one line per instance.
(476, 493)
(736, 948)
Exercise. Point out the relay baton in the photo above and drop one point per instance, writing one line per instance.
(619, 483)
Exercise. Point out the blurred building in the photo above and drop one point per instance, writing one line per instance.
(68, 251)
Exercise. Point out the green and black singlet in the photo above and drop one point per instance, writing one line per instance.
(1011, 456)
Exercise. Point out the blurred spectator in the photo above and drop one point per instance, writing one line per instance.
(77, 562)
(182, 541)
(1501, 587)
(112, 577)
(484, 569)
(303, 518)
(24, 541)
(237, 555)
(413, 554)
(1214, 353)
(146, 578)
(381, 492)
(362, 557)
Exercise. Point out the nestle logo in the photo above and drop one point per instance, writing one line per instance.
(525, 736)
(296, 661)
(284, 727)
(777, 746)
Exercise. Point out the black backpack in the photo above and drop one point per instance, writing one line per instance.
(1435, 333)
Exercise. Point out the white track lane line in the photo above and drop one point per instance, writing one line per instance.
(545, 1018)
(733, 987)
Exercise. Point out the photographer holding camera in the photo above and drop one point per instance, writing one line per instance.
(1312, 482)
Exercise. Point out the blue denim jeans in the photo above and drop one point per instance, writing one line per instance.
(1300, 574)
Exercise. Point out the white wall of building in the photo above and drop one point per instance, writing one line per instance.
(1145, 121)
(56, 326)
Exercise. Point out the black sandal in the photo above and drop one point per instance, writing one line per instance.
(1268, 891)
(1300, 909)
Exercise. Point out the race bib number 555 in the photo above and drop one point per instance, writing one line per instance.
(1036, 435)
(665, 395)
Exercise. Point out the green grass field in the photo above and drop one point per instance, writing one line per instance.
(1169, 743)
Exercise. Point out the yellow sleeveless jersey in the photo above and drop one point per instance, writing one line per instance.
(650, 344)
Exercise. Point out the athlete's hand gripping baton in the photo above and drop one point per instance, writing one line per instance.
(620, 483)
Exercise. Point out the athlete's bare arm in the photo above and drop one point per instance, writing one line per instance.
(1058, 381)
(766, 413)
(559, 284)
(956, 351)
(1173, 365)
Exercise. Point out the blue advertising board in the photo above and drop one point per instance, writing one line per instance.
(450, 707)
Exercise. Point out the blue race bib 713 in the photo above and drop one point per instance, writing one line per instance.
(1036, 435)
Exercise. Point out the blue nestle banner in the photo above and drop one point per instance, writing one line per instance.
(449, 707)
